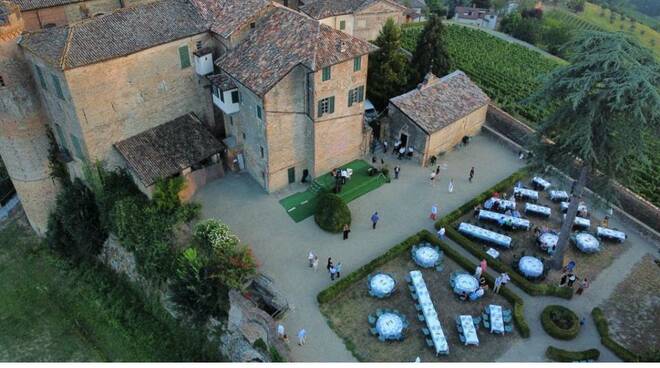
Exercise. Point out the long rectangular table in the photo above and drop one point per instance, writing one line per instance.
(581, 222)
(581, 207)
(496, 319)
(518, 223)
(558, 195)
(526, 193)
(603, 232)
(504, 204)
(485, 235)
(539, 210)
(430, 315)
(541, 182)
(469, 332)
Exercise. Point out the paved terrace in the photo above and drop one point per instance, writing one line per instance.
(281, 246)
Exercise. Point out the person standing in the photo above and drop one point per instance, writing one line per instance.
(434, 212)
(333, 271)
(338, 270)
(483, 264)
(310, 258)
(571, 280)
(402, 152)
(385, 146)
(302, 334)
(374, 220)
(441, 233)
(498, 284)
(471, 174)
(505, 278)
(432, 178)
(437, 171)
(450, 188)
(583, 286)
(330, 264)
(347, 229)
(397, 170)
(280, 331)
(477, 272)
(395, 149)
(315, 264)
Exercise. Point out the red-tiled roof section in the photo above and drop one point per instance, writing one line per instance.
(438, 102)
(226, 16)
(168, 149)
(39, 4)
(283, 39)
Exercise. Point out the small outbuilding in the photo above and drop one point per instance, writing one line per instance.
(435, 116)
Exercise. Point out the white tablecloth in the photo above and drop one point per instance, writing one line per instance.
(527, 193)
(469, 331)
(430, 315)
(493, 253)
(581, 222)
(587, 243)
(603, 232)
(382, 284)
(558, 195)
(504, 204)
(530, 266)
(486, 235)
(496, 320)
(581, 207)
(549, 239)
(519, 223)
(541, 210)
(426, 256)
(541, 182)
(465, 283)
(389, 326)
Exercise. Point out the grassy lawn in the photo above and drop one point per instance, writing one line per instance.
(588, 265)
(303, 204)
(632, 310)
(347, 315)
(52, 311)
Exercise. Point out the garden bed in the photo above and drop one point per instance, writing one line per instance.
(560, 322)
(347, 305)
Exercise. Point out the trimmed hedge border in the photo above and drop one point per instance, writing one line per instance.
(334, 290)
(555, 331)
(605, 339)
(477, 251)
(560, 355)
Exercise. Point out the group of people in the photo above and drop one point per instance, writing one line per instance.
(568, 279)
(479, 272)
(333, 269)
(401, 150)
(281, 334)
(341, 176)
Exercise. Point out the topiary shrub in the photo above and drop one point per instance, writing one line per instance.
(605, 339)
(332, 213)
(560, 355)
(560, 322)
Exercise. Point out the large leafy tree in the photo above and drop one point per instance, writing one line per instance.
(605, 102)
(430, 53)
(388, 67)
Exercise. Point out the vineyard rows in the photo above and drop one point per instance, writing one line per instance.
(573, 21)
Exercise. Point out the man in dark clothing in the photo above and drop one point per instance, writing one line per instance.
(374, 220)
(397, 170)
(471, 174)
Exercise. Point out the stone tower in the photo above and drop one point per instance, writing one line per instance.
(23, 125)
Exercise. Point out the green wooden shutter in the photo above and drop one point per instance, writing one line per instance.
(350, 98)
(342, 25)
(77, 147)
(58, 87)
(357, 63)
(42, 80)
(361, 94)
(331, 109)
(60, 135)
(327, 74)
(320, 112)
(184, 57)
(259, 112)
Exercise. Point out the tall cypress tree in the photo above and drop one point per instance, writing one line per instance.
(388, 67)
(430, 53)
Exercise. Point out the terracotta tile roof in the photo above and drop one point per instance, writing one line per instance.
(438, 102)
(39, 4)
(122, 32)
(226, 16)
(472, 13)
(222, 81)
(282, 40)
(319, 9)
(414, 4)
(168, 149)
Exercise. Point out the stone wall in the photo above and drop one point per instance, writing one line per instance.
(446, 138)
(369, 21)
(518, 132)
(250, 132)
(68, 13)
(335, 22)
(399, 124)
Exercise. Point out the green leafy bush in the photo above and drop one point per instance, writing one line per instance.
(332, 213)
(560, 322)
(560, 355)
(605, 339)
(275, 355)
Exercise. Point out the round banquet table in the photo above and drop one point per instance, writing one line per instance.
(587, 243)
(382, 284)
(426, 256)
(549, 239)
(465, 283)
(389, 326)
(530, 266)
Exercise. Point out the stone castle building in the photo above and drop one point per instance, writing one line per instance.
(283, 92)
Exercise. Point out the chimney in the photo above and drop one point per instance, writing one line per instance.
(341, 46)
(429, 80)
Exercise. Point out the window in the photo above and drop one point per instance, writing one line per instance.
(77, 147)
(2, 81)
(259, 112)
(252, 25)
(261, 149)
(198, 45)
(58, 87)
(243, 134)
(355, 95)
(42, 80)
(342, 25)
(263, 176)
(357, 63)
(326, 74)
(326, 106)
(234, 97)
(231, 121)
(184, 57)
(60, 135)
(222, 95)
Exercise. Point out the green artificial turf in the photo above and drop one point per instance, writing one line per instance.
(303, 204)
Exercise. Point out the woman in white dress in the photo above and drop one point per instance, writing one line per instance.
(451, 185)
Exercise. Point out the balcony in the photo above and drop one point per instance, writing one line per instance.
(225, 94)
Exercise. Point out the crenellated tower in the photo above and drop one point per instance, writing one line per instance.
(23, 125)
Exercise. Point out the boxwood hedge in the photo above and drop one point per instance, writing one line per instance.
(555, 331)
(560, 355)
(605, 339)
